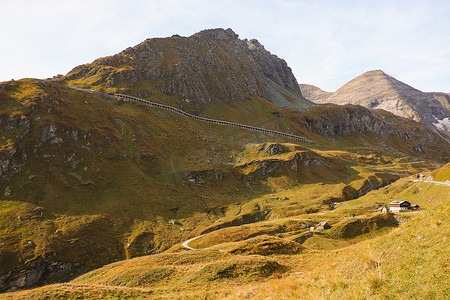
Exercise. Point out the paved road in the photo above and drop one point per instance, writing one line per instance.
(214, 121)
(431, 181)
(185, 114)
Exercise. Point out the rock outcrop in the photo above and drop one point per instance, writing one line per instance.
(209, 65)
(353, 227)
(295, 164)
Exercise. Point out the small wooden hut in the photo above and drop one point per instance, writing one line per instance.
(323, 225)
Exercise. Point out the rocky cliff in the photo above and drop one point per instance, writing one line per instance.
(209, 65)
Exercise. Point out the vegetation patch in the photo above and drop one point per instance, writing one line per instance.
(353, 227)
(80, 291)
(236, 233)
(141, 276)
(247, 268)
(267, 245)
(442, 174)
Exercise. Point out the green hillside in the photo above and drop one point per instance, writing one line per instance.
(442, 174)
(83, 174)
(408, 260)
(87, 180)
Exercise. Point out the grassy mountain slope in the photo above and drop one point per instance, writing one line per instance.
(442, 174)
(85, 181)
(408, 260)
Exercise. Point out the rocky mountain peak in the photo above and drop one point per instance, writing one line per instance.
(212, 64)
(375, 72)
(254, 44)
(378, 90)
(218, 34)
(313, 93)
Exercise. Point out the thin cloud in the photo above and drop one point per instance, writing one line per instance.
(326, 43)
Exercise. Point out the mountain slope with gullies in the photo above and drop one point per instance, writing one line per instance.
(87, 180)
(378, 90)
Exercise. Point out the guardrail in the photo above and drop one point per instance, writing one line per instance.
(100, 94)
(185, 114)
(213, 121)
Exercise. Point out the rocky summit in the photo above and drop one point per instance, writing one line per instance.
(378, 90)
(209, 65)
(167, 190)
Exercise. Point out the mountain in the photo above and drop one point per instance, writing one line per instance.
(314, 94)
(87, 179)
(378, 90)
(212, 65)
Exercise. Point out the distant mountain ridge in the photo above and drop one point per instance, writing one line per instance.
(378, 90)
(314, 94)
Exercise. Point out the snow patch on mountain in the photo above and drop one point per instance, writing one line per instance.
(443, 124)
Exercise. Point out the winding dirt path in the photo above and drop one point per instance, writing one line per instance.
(185, 244)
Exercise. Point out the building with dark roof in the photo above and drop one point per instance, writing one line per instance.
(398, 206)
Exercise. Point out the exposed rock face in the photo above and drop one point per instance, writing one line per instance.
(274, 68)
(35, 274)
(63, 262)
(378, 90)
(271, 166)
(211, 64)
(273, 149)
(376, 182)
(354, 227)
(349, 120)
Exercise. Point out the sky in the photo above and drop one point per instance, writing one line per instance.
(326, 43)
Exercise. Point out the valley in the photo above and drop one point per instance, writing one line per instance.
(120, 180)
(265, 259)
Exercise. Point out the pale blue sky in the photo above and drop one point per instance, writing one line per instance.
(326, 43)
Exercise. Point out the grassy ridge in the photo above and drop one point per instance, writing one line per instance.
(442, 174)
